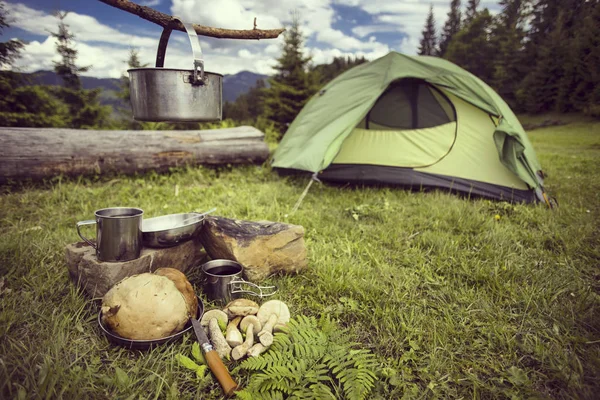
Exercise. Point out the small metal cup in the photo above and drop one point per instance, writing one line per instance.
(118, 233)
(223, 282)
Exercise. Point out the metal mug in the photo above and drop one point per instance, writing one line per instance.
(223, 282)
(118, 233)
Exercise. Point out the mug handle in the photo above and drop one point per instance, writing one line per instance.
(263, 291)
(82, 223)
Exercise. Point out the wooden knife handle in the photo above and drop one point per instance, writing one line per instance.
(220, 372)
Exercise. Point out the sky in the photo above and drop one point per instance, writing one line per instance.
(105, 35)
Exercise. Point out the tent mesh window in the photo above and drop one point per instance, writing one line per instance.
(410, 104)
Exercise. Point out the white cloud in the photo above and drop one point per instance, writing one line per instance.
(231, 14)
(85, 27)
(343, 42)
(37, 56)
(150, 3)
(40, 56)
(316, 17)
(243, 53)
(365, 30)
(273, 49)
(106, 47)
(413, 25)
(406, 16)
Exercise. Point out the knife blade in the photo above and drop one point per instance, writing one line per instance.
(213, 360)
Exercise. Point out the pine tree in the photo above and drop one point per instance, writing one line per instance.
(67, 69)
(507, 37)
(292, 85)
(9, 51)
(428, 42)
(132, 62)
(472, 49)
(125, 95)
(21, 104)
(327, 72)
(471, 11)
(256, 99)
(451, 27)
(248, 107)
(586, 95)
(551, 54)
(541, 86)
(85, 110)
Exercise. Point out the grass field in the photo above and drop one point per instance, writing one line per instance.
(454, 302)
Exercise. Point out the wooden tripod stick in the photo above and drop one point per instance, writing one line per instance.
(164, 20)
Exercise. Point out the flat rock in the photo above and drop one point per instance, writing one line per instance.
(263, 247)
(96, 277)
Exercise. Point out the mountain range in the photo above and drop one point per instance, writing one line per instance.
(234, 85)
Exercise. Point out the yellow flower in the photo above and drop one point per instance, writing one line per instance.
(497, 217)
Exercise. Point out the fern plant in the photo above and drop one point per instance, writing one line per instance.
(314, 360)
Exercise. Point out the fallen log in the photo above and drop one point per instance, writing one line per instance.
(39, 153)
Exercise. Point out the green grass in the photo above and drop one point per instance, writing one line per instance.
(453, 303)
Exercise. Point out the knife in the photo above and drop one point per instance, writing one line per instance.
(213, 360)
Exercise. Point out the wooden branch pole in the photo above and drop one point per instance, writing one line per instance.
(164, 20)
(40, 153)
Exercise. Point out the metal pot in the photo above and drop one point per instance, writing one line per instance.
(146, 344)
(165, 94)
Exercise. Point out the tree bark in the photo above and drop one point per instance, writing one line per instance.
(164, 20)
(39, 153)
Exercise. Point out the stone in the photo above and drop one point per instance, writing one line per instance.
(97, 277)
(263, 248)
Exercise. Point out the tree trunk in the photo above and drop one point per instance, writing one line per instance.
(38, 153)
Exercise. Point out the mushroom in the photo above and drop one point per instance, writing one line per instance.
(218, 340)
(216, 320)
(256, 350)
(240, 351)
(241, 307)
(270, 313)
(216, 313)
(251, 319)
(233, 335)
(144, 307)
(183, 285)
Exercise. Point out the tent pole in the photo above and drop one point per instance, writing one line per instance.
(304, 193)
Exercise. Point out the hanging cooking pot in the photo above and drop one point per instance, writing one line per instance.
(167, 94)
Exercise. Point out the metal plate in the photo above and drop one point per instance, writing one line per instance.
(170, 230)
(147, 344)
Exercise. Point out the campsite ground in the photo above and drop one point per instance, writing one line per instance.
(457, 298)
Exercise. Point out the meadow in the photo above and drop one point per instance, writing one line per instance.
(455, 297)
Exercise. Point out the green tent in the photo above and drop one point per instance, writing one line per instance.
(415, 121)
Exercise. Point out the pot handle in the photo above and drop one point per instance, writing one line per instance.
(196, 50)
(237, 286)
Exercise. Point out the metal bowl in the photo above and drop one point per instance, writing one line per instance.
(170, 230)
(147, 344)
